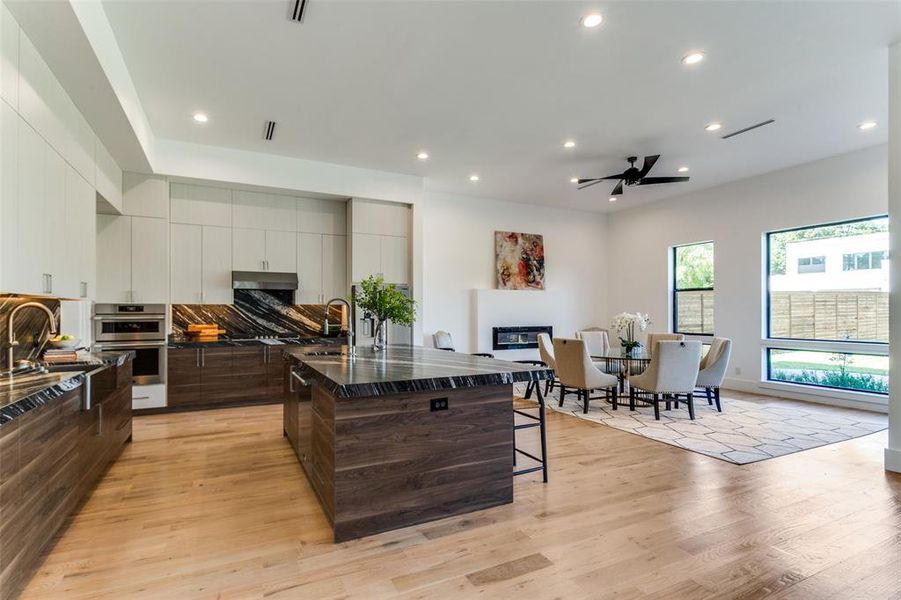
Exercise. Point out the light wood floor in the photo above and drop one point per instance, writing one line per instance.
(213, 505)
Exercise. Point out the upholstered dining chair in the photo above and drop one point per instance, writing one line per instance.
(673, 372)
(546, 353)
(577, 373)
(443, 341)
(713, 369)
(662, 337)
(597, 341)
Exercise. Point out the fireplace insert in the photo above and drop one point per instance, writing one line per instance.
(518, 338)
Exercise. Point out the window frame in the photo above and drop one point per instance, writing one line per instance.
(674, 301)
(769, 370)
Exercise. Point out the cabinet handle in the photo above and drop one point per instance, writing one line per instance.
(203, 357)
(99, 419)
(197, 357)
(84, 289)
(50, 280)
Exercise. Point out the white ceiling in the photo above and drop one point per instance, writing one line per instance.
(495, 87)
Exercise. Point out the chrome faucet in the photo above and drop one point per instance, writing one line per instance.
(351, 335)
(12, 343)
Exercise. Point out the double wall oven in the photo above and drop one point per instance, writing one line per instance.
(137, 327)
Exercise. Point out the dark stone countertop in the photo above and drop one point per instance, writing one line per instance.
(401, 369)
(177, 343)
(23, 393)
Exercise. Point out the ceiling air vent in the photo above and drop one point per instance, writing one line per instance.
(297, 13)
(747, 129)
(269, 131)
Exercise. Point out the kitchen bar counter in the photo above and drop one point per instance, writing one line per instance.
(401, 436)
(23, 393)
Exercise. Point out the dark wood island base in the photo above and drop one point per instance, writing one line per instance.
(397, 458)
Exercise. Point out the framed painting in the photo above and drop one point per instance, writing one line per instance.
(519, 260)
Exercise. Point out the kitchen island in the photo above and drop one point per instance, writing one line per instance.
(401, 436)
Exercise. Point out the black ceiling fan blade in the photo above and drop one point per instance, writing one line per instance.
(653, 180)
(592, 182)
(649, 162)
(581, 181)
(618, 190)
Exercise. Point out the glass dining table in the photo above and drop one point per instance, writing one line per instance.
(617, 361)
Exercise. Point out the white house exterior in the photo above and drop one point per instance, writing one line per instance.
(857, 262)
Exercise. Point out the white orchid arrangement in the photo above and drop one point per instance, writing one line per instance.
(626, 324)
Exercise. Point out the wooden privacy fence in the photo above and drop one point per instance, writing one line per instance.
(836, 315)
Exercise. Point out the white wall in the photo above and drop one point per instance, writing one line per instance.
(893, 451)
(458, 257)
(735, 217)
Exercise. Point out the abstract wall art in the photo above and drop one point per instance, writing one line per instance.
(519, 260)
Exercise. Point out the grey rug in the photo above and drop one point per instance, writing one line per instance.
(748, 430)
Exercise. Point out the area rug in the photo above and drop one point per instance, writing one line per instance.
(748, 430)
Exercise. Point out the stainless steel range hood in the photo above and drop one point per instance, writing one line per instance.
(263, 280)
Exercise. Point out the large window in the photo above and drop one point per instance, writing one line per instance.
(828, 286)
(693, 289)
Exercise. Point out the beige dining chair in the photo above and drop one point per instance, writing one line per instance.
(713, 369)
(577, 373)
(661, 337)
(597, 341)
(546, 353)
(673, 372)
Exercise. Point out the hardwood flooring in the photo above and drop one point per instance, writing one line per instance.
(213, 504)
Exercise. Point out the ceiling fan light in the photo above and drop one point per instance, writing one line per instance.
(574, 180)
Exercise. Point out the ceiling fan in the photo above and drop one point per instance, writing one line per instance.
(632, 176)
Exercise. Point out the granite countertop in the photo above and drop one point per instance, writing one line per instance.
(400, 369)
(176, 343)
(23, 393)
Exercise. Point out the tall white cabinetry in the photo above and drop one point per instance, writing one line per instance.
(132, 259)
(48, 183)
(380, 240)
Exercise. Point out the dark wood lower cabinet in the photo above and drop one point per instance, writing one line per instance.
(223, 375)
(51, 458)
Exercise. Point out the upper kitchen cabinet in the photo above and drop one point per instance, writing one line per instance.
(255, 210)
(78, 276)
(201, 264)
(262, 250)
(380, 240)
(132, 259)
(9, 57)
(200, 205)
(145, 195)
(321, 216)
(9, 197)
(321, 267)
(108, 176)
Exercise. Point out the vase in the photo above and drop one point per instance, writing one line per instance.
(380, 335)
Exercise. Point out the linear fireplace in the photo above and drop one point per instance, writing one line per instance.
(517, 338)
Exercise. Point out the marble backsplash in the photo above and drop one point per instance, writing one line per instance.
(31, 326)
(255, 313)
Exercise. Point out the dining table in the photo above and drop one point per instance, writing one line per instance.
(622, 363)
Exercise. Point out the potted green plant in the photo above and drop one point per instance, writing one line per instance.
(383, 302)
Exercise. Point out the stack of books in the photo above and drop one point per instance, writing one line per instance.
(60, 356)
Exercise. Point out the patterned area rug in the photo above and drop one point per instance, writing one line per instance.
(748, 430)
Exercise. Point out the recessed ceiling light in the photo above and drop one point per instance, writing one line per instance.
(692, 58)
(682, 169)
(201, 117)
(592, 20)
(569, 144)
(473, 177)
(713, 126)
(612, 198)
(423, 156)
(574, 180)
(867, 125)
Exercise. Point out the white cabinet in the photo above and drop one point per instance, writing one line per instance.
(382, 218)
(257, 210)
(76, 278)
(281, 251)
(9, 57)
(217, 265)
(259, 250)
(321, 216)
(185, 276)
(200, 205)
(394, 259)
(249, 249)
(145, 195)
(9, 196)
(33, 265)
(201, 264)
(132, 259)
(334, 266)
(367, 255)
(149, 260)
(113, 258)
(107, 175)
(309, 268)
